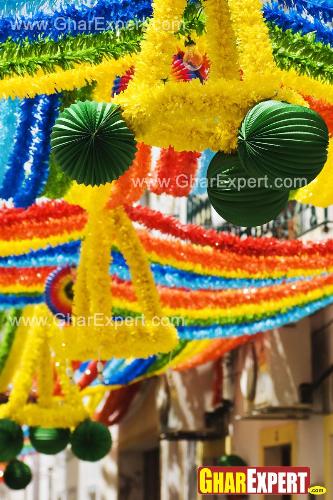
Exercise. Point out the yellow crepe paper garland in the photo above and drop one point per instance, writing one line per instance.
(49, 411)
(86, 339)
(13, 360)
(320, 191)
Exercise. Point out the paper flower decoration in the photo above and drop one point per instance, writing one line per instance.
(91, 441)
(92, 143)
(17, 475)
(49, 441)
(59, 292)
(237, 198)
(11, 440)
(284, 141)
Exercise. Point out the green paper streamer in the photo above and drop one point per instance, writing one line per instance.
(302, 53)
(11, 320)
(49, 55)
(243, 206)
(92, 143)
(58, 183)
(291, 50)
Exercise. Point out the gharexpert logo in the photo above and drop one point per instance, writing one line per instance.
(256, 481)
(317, 490)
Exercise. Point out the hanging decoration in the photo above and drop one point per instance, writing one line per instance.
(231, 461)
(234, 196)
(319, 192)
(91, 441)
(92, 143)
(20, 150)
(49, 411)
(17, 475)
(214, 131)
(200, 183)
(11, 440)
(177, 168)
(8, 335)
(10, 118)
(297, 22)
(27, 170)
(192, 59)
(216, 269)
(59, 292)
(55, 22)
(152, 333)
(49, 441)
(169, 296)
(283, 141)
(134, 182)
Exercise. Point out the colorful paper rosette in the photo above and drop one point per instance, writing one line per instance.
(59, 292)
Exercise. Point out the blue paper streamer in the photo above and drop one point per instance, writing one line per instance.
(129, 372)
(294, 21)
(71, 19)
(68, 254)
(321, 9)
(34, 173)
(27, 170)
(19, 301)
(222, 331)
(10, 116)
(200, 185)
(111, 368)
(20, 152)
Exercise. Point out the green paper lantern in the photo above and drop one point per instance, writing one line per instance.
(11, 440)
(91, 441)
(92, 143)
(283, 141)
(49, 441)
(17, 475)
(231, 461)
(246, 206)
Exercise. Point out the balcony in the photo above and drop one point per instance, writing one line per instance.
(295, 221)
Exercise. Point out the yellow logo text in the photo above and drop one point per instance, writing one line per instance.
(211, 482)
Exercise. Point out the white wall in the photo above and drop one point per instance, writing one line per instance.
(310, 445)
(289, 363)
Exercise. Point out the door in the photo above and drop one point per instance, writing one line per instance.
(278, 449)
(328, 450)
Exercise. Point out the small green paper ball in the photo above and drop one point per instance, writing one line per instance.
(17, 475)
(231, 461)
(11, 440)
(243, 206)
(92, 143)
(91, 441)
(49, 441)
(283, 141)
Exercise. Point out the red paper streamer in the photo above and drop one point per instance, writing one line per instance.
(117, 404)
(175, 172)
